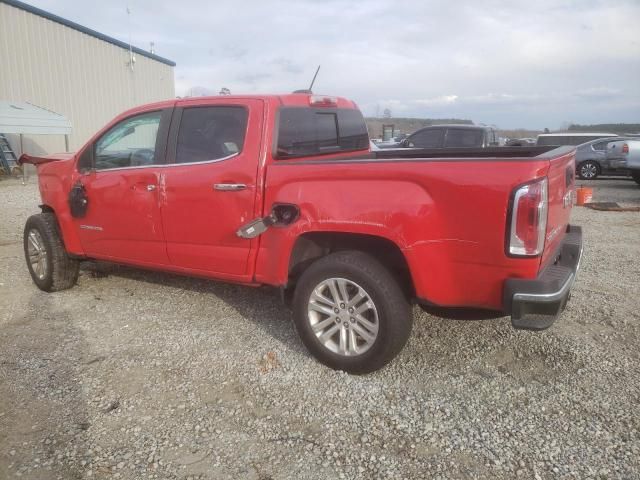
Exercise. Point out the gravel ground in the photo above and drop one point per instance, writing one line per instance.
(139, 375)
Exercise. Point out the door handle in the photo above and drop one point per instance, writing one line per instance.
(229, 187)
(151, 187)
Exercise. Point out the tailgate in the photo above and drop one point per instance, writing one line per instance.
(561, 186)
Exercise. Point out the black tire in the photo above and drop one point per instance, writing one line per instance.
(635, 174)
(394, 313)
(61, 270)
(589, 170)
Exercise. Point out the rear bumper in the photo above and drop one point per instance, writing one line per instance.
(535, 304)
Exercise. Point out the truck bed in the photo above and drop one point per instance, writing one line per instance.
(466, 153)
(442, 207)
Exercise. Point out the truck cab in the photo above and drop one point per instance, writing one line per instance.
(452, 136)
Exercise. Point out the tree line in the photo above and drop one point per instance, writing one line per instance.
(607, 128)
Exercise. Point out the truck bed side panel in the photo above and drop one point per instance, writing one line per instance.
(448, 216)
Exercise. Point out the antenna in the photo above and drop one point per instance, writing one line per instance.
(314, 79)
(310, 86)
(132, 59)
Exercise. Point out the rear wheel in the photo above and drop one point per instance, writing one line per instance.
(351, 313)
(50, 266)
(588, 170)
(635, 174)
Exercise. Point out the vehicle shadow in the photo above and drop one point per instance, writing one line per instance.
(260, 305)
(464, 314)
(263, 306)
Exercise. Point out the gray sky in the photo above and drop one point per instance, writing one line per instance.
(513, 64)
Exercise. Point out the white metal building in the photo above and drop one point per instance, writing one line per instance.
(74, 71)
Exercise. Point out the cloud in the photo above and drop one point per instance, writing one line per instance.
(437, 101)
(517, 63)
(598, 93)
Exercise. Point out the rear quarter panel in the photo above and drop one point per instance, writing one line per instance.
(633, 157)
(561, 177)
(447, 216)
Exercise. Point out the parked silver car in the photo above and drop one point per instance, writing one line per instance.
(591, 159)
(625, 154)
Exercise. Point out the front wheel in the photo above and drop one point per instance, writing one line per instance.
(588, 170)
(635, 174)
(350, 312)
(51, 268)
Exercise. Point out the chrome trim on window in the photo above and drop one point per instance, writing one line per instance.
(166, 165)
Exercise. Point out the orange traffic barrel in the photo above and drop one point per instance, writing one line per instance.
(584, 195)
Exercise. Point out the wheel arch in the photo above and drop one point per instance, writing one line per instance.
(310, 246)
(599, 167)
(67, 232)
(44, 208)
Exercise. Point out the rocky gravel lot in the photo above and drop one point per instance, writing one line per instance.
(138, 375)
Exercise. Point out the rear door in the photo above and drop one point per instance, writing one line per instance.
(208, 188)
(464, 138)
(599, 152)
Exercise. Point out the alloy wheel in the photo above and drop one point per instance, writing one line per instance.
(37, 252)
(588, 170)
(343, 317)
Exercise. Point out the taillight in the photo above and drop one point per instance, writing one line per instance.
(625, 148)
(323, 101)
(529, 219)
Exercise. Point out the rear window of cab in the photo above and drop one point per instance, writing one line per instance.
(304, 131)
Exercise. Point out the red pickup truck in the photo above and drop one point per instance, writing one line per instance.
(282, 190)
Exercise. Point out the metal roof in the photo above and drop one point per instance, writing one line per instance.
(68, 23)
(17, 117)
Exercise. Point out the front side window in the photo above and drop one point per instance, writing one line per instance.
(130, 143)
(432, 138)
(210, 133)
(308, 131)
(464, 138)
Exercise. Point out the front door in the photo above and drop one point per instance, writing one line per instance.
(123, 221)
(209, 184)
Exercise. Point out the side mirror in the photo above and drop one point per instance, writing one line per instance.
(85, 162)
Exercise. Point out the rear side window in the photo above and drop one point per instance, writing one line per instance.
(552, 141)
(210, 133)
(600, 145)
(308, 131)
(460, 137)
(432, 138)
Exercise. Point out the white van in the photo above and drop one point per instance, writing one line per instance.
(569, 138)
